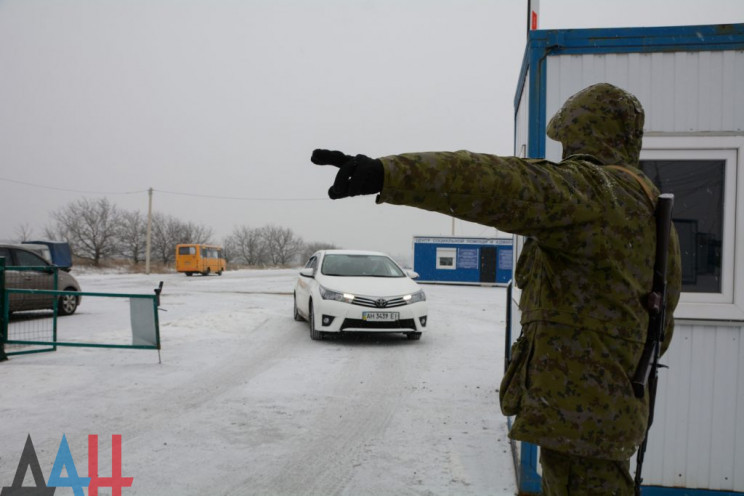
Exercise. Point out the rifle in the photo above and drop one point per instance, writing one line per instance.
(646, 374)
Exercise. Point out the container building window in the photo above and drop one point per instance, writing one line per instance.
(703, 174)
(447, 258)
(698, 216)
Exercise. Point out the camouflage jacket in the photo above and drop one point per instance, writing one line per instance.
(587, 265)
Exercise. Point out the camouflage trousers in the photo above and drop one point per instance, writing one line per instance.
(569, 475)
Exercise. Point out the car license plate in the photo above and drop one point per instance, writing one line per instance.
(380, 316)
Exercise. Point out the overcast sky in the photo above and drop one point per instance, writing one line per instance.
(218, 104)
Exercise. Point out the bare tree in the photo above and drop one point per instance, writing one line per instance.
(281, 244)
(195, 233)
(89, 226)
(310, 248)
(50, 232)
(131, 236)
(164, 237)
(167, 232)
(246, 245)
(24, 232)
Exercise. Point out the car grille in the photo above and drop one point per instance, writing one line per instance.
(363, 324)
(364, 301)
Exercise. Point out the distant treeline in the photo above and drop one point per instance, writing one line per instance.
(98, 230)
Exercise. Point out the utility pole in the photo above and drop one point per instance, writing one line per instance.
(149, 232)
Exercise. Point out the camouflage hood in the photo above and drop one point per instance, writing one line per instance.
(603, 121)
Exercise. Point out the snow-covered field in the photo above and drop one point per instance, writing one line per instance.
(244, 403)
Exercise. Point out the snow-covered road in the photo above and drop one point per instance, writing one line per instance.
(245, 403)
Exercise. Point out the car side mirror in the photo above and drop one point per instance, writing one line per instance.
(307, 272)
(412, 274)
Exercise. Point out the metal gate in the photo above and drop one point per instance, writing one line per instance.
(34, 331)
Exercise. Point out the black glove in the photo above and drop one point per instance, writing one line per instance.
(358, 175)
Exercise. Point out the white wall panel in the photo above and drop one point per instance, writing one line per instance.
(682, 92)
(724, 412)
(698, 350)
(738, 433)
(697, 434)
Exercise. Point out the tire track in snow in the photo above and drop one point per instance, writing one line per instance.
(244, 358)
(370, 386)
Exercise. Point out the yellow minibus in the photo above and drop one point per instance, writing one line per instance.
(199, 259)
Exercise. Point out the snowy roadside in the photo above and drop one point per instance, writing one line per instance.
(245, 403)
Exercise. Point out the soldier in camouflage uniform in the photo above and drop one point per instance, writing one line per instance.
(584, 272)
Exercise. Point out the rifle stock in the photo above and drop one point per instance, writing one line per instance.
(656, 301)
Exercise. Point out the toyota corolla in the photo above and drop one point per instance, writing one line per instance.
(358, 291)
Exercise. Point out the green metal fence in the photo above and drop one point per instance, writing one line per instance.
(29, 309)
(32, 329)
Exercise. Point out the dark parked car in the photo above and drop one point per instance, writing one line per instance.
(40, 278)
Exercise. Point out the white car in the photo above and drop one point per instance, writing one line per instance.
(358, 291)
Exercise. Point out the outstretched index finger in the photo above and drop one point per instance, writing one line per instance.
(329, 157)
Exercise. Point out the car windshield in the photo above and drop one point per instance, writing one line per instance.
(360, 266)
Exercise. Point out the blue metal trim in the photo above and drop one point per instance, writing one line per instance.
(643, 40)
(534, 63)
(521, 78)
(460, 240)
(530, 481)
(680, 491)
(537, 88)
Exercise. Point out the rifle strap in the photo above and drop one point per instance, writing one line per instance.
(646, 188)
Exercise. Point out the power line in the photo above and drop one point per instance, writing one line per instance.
(198, 195)
(249, 198)
(72, 190)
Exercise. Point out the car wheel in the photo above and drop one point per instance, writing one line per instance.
(206, 272)
(297, 315)
(189, 274)
(315, 334)
(414, 336)
(219, 272)
(67, 304)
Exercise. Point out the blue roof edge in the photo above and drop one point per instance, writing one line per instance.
(628, 40)
(652, 39)
(542, 43)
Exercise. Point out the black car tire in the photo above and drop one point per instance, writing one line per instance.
(315, 334)
(67, 304)
(297, 315)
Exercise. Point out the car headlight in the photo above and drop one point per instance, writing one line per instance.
(415, 297)
(328, 294)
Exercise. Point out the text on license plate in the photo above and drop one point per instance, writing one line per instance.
(380, 316)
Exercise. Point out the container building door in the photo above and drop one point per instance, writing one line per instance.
(488, 264)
